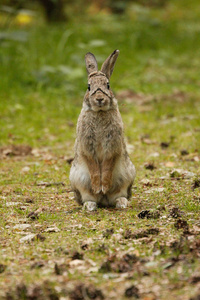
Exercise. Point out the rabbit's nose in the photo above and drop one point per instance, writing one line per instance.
(99, 99)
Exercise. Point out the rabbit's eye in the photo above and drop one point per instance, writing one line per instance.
(108, 85)
(88, 87)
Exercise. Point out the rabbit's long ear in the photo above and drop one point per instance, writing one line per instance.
(108, 66)
(91, 63)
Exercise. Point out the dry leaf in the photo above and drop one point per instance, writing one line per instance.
(12, 203)
(28, 238)
(169, 164)
(52, 229)
(21, 226)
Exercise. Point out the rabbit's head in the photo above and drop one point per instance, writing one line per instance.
(99, 96)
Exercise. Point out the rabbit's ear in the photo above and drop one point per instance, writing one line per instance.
(91, 63)
(108, 66)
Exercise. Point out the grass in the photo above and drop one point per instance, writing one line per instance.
(42, 84)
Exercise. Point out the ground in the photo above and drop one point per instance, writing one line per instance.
(50, 247)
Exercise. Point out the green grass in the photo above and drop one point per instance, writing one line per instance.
(43, 80)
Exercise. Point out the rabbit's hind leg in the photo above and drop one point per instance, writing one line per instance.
(77, 197)
(119, 198)
(121, 202)
(87, 198)
(81, 185)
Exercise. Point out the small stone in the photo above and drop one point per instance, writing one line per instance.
(25, 169)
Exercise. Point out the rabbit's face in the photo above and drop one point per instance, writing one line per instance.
(99, 94)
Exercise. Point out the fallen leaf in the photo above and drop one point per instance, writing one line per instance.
(175, 212)
(48, 184)
(21, 226)
(77, 255)
(12, 203)
(164, 145)
(181, 224)
(52, 229)
(108, 232)
(37, 265)
(196, 183)
(154, 154)
(33, 215)
(159, 189)
(147, 141)
(2, 268)
(140, 233)
(76, 263)
(15, 150)
(85, 244)
(81, 291)
(184, 152)
(149, 214)
(169, 164)
(28, 238)
(146, 182)
(132, 291)
(40, 237)
(177, 173)
(150, 166)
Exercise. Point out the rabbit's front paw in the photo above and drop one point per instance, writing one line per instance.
(96, 184)
(106, 180)
(96, 189)
(105, 187)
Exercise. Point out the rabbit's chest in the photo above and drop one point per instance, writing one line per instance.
(105, 143)
(101, 135)
(98, 143)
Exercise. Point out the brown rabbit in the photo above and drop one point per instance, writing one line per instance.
(102, 172)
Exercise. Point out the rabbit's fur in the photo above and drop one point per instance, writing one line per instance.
(102, 172)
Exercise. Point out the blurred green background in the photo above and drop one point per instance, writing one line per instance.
(42, 68)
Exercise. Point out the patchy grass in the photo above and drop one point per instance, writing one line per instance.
(111, 254)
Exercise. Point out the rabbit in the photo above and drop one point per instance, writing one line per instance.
(102, 173)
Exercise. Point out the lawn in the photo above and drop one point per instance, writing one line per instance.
(49, 247)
